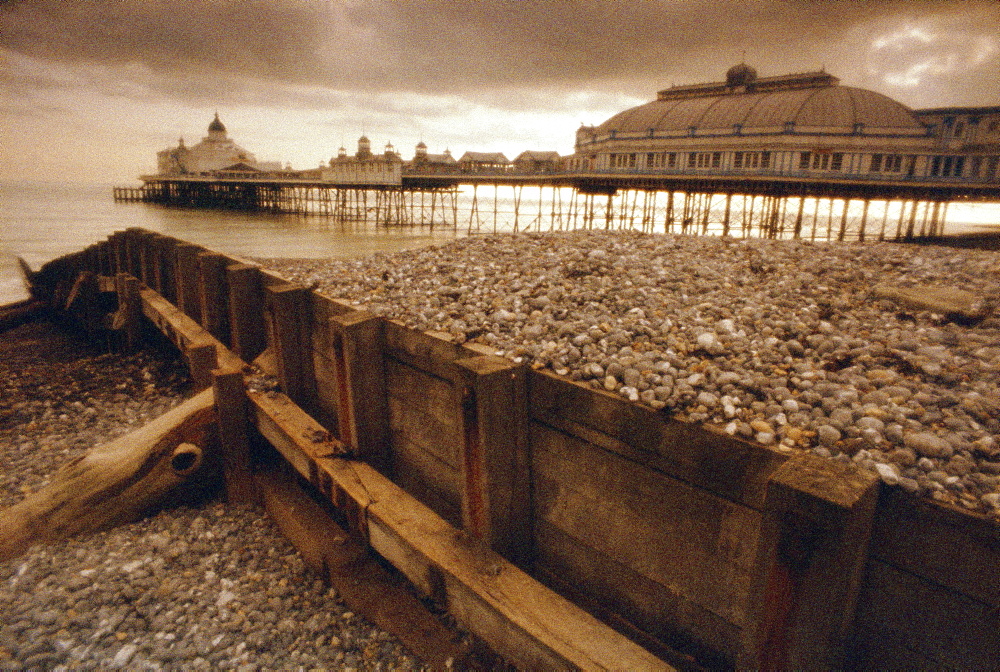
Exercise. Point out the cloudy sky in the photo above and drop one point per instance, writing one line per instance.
(91, 89)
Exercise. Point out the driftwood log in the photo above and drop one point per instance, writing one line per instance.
(116, 482)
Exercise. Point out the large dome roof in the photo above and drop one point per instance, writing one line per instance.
(827, 109)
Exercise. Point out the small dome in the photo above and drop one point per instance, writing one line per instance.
(421, 145)
(740, 75)
(216, 125)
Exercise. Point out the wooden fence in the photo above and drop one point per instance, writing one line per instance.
(480, 478)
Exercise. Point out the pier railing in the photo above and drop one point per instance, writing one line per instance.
(483, 480)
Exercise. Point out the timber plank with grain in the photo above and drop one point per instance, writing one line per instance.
(424, 407)
(17, 313)
(359, 579)
(922, 624)
(954, 549)
(690, 540)
(633, 603)
(183, 331)
(533, 626)
(427, 478)
(423, 350)
(512, 612)
(699, 454)
(115, 482)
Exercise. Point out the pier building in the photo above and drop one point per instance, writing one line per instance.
(795, 155)
(803, 125)
(216, 151)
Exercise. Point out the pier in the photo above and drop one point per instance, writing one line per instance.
(774, 206)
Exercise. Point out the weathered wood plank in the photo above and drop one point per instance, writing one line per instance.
(128, 317)
(290, 325)
(16, 314)
(188, 300)
(213, 294)
(513, 613)
(430, 480)
(181, 330)
(248, 333)
(234, 441)
(362, 408)
(422, 350)
(517, 616)
(116, 482)
(813, 548)
(698, 454)
(362, 583)
(702, 546)
(922, 624)
(955, 549)
(423, 429)
(631, 602)
(425, 409)
(299, 438)
(494, 462)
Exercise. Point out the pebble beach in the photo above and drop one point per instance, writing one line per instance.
(201, 586)
(782, 342)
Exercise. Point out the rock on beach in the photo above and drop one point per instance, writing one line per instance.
(696, 327)
(201, 587)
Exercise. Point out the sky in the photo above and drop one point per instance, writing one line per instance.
(90, 90)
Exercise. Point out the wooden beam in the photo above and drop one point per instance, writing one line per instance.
(183, 331)
(16, 314)
(813, 549)
(188, 299)
(248, 333)
(362, 411)
(495, 467)
(518, 617)
(116, 482)
(289, 319)
(360, 580)
(234, 441)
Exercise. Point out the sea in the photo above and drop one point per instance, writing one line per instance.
(40, 221)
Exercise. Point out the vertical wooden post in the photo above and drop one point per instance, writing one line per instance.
(133, 248)
(247, 332)
(814, 543)
(362, 409)
(231, 409)
(168, 266)
(289, 319)
(202, 360)
(187, 280)
(129, 310)
(494, 460)
(149, 255)
(213, 296)
(118, 244)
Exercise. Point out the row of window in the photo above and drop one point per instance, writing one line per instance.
(938, 166)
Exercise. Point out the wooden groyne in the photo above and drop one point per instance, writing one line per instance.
(566, 527)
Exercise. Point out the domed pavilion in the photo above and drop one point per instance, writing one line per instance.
(805, 125)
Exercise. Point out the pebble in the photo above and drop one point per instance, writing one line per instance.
(186, 588)
(721, 342)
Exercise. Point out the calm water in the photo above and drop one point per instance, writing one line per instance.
(39, 222)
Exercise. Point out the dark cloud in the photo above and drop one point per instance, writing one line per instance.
(495, 52)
